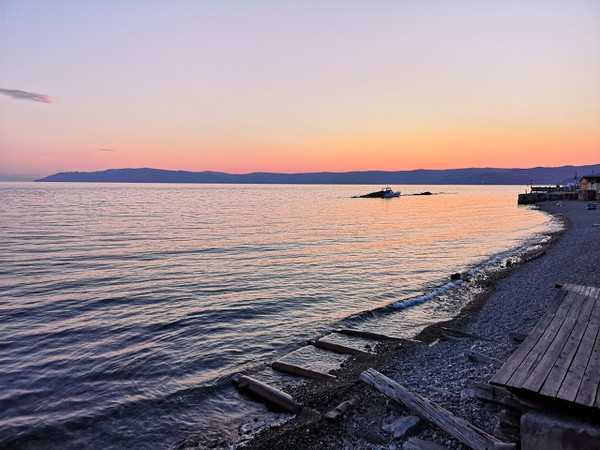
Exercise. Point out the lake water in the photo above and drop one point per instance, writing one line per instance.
(126, 308)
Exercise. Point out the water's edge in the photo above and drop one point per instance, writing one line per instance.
(477, 286)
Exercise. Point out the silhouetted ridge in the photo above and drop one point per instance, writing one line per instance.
(539, 175)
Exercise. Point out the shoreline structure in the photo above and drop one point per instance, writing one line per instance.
(511, 299)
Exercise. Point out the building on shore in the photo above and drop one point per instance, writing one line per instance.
(589, 188)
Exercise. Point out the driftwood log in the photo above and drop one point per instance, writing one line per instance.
(444, 419)
(267, 393)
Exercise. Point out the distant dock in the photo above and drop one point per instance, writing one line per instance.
(545, 193)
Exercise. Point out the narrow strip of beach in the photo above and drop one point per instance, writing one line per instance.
(512, 302)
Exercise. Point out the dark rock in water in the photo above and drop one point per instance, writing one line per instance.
(455, 276)
(376, 194)
(425, 193)
(509, 263)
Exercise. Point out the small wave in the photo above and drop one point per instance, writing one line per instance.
(496, 260)
(423, 298)
(451, 285)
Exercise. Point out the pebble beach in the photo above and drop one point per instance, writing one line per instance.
(437, 369)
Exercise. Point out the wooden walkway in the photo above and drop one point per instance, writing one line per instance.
(560, 359)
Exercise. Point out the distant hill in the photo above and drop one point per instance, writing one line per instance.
(539, 175)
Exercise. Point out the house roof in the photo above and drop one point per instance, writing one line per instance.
(590, 178)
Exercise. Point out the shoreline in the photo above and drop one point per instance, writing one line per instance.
(441, 371)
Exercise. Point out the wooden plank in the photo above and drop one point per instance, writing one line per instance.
(510, 417)
(459, 333)
(538, 376)
(560, 368)
(508, 369)
(583, 358)
(480, 357)
(338, 348)
(575, 386)
(587, 393)
(301, 371)
(414, 443)
(517, 336)
(529, 363)
(493, 394)
(366, 334)
(455, 426)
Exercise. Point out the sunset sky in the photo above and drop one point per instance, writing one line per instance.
(298, 86)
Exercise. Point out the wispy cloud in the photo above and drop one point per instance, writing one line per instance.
(105, 150)
(24, 95)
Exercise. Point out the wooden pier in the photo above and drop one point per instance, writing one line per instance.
(545, 193)
(559, 359)
(556, 370)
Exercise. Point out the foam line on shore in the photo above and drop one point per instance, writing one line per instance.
(402, 304)
(423, 298)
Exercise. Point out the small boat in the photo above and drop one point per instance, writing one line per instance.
(383, 193)
(388, 193)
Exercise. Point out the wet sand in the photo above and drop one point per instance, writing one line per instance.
(512, 299)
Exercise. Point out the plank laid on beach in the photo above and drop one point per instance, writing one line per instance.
(463, 334)
(480, 357)
(310, 362)
(300, 371)
(337, 348)
(352, 344)
(509, 368)
(559, 359)
(493, 394)
(557, 372)
(366, 334)
(455, 426)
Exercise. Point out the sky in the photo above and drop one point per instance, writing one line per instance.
(297, 86)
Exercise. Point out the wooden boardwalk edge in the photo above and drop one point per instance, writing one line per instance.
(455, 426)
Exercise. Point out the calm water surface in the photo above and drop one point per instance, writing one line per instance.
(126, 308)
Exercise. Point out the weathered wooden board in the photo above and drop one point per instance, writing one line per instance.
(365, 334)
(463, 334)
(342, 343)
(300, 371)
(558, 371)
(493, 394)
(561, 356)
(510, 367)
(455, 426)
(480, 357)
(310, 362)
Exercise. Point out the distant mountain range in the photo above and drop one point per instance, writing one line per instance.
(537, 175)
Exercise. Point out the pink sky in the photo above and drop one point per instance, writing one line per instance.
(258, 86)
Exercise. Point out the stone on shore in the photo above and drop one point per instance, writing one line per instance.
(403, 426)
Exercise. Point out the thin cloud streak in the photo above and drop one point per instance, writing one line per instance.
(24, 95)
(105, 150)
